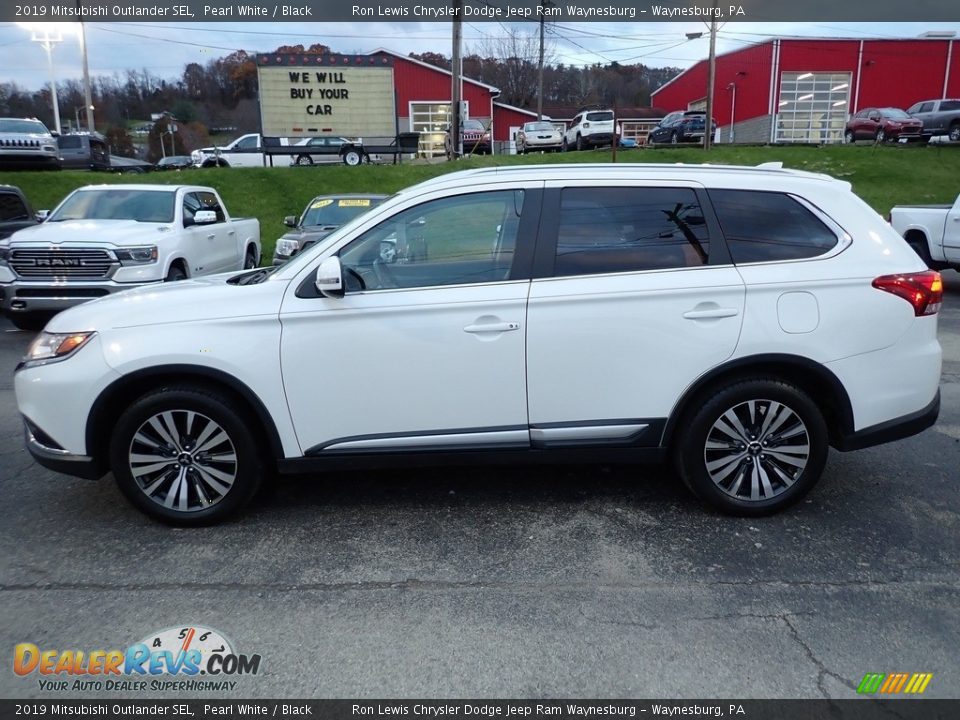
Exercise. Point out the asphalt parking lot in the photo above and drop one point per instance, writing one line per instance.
(510, 582)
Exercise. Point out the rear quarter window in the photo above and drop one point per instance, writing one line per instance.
(769, 226)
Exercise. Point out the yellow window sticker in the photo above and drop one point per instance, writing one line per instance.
(320, 203)
(354, 202)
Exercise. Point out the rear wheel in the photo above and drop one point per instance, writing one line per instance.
(849, 138)
(185, 456)
(250, 259)
(304, 160)
(918, 242)
(352, 158)
(954, 133)
(754, 447)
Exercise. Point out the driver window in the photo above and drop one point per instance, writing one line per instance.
(451, 241)
(190, 206)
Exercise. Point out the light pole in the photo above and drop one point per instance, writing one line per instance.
(76, 114)
(87, 96)
(48, 35)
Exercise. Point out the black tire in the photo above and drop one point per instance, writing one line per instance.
(32, 322)
(579, 142)
(881, 136)
(696, 455)
(563, 145)
(353, 157)
(849, 138)
(250, 258)
(175, 273)
(203, 503)
(954, 132)
(918, 242)
(303, 160)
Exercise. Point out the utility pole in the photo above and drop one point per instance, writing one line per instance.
(87, 97)
(711, 78)
(456, 141)
(544, 4)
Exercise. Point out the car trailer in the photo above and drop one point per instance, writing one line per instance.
(405, 143)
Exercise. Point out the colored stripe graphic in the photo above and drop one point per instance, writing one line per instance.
(894, 683)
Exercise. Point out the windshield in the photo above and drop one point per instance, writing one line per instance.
(34, 127)
(599, 116)
(113, 204)
(894, 114)
(536, 126)
(335, 211)
(472, 125)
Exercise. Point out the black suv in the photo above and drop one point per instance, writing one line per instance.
(683, 126)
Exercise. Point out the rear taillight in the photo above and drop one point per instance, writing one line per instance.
(923, 290)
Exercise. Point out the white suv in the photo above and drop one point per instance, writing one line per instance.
(737, 321)
(589, 129)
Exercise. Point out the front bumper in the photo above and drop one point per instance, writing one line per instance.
(21, 297)
(46, 453)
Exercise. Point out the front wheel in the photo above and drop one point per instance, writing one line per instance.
(32, 322)
(579, 143)
(954, 133)
(185, 456)
(753, 448)
(849, 138)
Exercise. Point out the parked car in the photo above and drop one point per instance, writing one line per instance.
(737, 321)
(245, 151)
(174, 162)
(15, 211)
(538, 135)
(682, 126)
(325, 149)
(84, 151)
(882, 125)
(590, 128)
(933, 231)
(322, 216)
(106, 238)
(26, 143)
(939, 117)
(476, 139)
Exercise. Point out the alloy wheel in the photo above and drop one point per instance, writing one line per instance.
(183, 460)
(756, 450)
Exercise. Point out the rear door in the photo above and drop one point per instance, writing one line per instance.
(633, 298)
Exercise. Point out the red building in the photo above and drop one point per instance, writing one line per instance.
(804, 90)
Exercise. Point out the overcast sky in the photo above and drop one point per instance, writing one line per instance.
(165, 48)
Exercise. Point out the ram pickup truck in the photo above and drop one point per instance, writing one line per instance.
(933, 231)
(245, 151)
(106, 238)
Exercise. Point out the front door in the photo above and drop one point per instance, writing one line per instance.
(636, 300)
(426, 349)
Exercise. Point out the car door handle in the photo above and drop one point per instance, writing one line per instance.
(231, 232)
(710, 313)
(211, 236)
(497, 327)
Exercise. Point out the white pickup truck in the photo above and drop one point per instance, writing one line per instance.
(933, 231)
(245, 151)
(105, 238)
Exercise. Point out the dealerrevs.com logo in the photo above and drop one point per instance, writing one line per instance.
(179, 658)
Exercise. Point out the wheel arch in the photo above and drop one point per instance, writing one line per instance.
(177, 260)
(117, 396)
(824, 388)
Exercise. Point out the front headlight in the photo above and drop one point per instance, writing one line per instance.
(287, 247)
(53, 347)
(4, 255)
(137, 256)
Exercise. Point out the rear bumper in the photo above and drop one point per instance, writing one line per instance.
(896, 429)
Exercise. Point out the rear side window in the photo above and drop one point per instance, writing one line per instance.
(69, 143)
(949, 105)
(769, 226)
(615, 229)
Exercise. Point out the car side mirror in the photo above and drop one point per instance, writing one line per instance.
(204, 217)
(42, 215)
(290, 221)
(329, 280)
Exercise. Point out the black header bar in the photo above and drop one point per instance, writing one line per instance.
(566, 11)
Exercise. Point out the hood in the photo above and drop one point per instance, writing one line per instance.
(310, 233)
(114, 233)
(205, 298)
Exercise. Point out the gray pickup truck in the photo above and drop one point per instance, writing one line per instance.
(940, 117)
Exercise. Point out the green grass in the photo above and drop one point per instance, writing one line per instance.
(883, 176)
